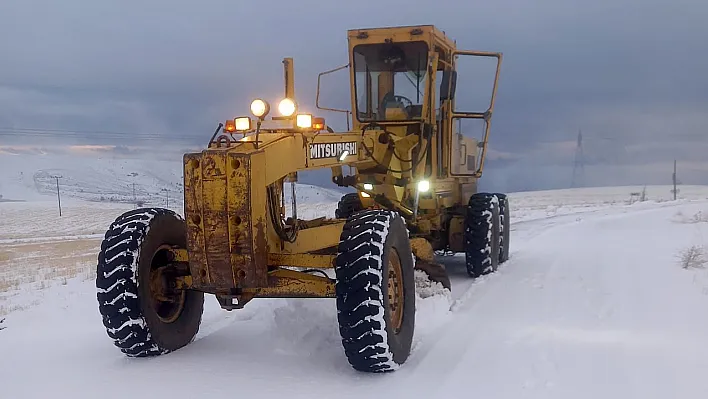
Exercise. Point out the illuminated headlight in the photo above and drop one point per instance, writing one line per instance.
(304, 121)
(368, 186)
(259, 108)
(286, 107)
(243, 124)
(343, 155)
(423, 186)
(365, 195)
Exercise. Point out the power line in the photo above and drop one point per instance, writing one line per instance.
(68, 134)
(32, 129)
(95, 134)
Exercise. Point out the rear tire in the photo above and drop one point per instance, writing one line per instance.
(505, 228)
(348, 205)
(137, 324)
(376, 328)
(482, 234)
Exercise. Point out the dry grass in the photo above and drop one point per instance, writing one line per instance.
(37, 266)
(693, 257)
(698, 217)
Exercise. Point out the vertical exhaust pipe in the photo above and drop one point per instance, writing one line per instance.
(289, 78)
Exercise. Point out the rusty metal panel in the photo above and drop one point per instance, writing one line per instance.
(238, 218)
(193, 215)
(215, 219)
(259, 220)
(247, 273)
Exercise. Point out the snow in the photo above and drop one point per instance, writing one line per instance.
(593, 302)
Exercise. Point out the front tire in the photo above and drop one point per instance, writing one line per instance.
(348, 205)
(375, 291)
(138, 323)
(505, 228)
(482, 234)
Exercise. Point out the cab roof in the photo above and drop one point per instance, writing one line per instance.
(425, 30)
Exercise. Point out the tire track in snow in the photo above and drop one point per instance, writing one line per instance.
(565, 317)
(450, 344)
(450, 350)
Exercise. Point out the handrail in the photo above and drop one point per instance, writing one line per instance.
(317, 97)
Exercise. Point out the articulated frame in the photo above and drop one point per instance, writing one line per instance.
(235, 248)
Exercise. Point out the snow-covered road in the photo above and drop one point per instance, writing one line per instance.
(591, 305)
(590, 308)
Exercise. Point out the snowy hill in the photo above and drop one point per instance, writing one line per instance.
(93, 176)
(90, 175)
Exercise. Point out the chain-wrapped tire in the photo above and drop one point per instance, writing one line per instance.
(482, 234)
(135, 319)
(375, 291)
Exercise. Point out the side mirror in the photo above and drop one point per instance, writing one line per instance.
(448, 84)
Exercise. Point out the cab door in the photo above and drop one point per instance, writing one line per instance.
(468, 144)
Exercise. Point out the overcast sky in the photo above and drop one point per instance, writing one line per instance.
(632, 74)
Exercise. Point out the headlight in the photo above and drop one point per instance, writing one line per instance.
(423, 186)
(243, 123)
(368, 186)
(259, 108)
(286, 107)
(304, 121)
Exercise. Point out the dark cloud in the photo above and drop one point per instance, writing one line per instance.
(630, 74)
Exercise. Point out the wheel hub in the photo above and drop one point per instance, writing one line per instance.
(166, 299)
(395, 290)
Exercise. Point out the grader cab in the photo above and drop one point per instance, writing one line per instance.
(415, 181)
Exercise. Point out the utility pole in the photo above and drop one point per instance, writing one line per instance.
(167, 193)
(579, 163)
(58, 196)
(675, 181)
(135, 200)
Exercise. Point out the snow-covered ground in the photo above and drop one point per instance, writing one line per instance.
(594, 302)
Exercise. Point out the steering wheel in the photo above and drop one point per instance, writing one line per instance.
(390, 97)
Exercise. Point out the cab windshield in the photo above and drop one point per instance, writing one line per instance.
(390, 80)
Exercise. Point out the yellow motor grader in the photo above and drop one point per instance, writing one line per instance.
(415, 180)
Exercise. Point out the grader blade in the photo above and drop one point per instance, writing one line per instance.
(435, 271)
(425, 261)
